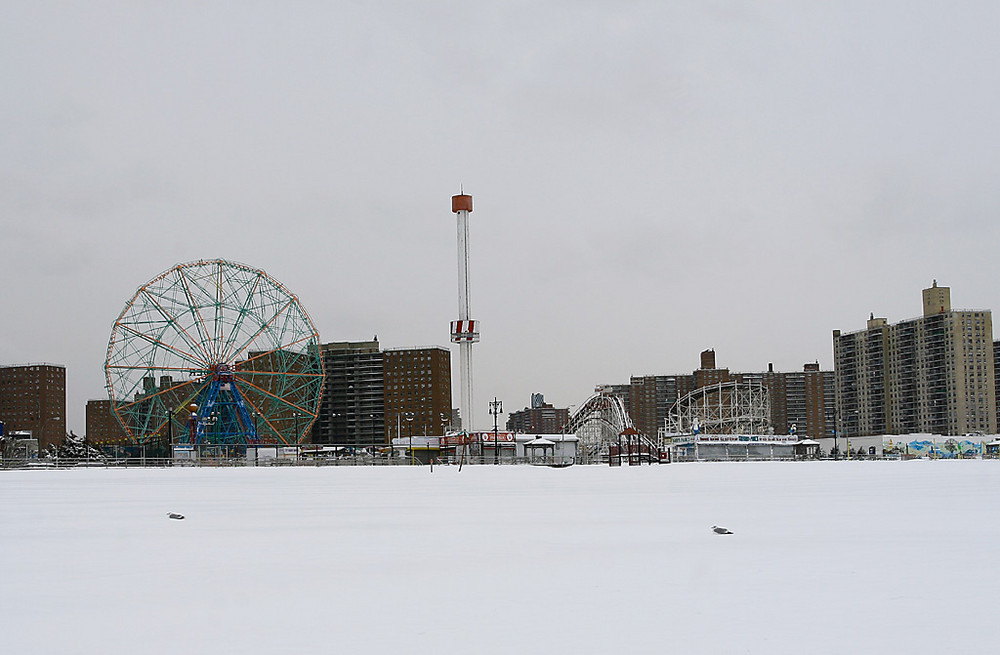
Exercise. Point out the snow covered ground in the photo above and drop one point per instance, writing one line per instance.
(827, 557)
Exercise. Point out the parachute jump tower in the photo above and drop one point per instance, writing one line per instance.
(464, 331)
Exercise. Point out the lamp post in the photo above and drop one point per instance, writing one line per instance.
(445, 421)
(170, 433)
(256, 439)
(496, 406)
(409, 431)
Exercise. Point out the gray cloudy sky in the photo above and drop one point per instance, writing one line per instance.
(650, 178)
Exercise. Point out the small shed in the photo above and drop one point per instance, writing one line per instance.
(991, 449)
(806, 449)
(540, 451)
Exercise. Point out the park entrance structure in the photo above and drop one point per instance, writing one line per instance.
(217, 353)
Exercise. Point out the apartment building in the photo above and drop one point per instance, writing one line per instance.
(935, 373)
(103, 427)
(417, 391)
(352, 407)
(33, 399)
(540, 418)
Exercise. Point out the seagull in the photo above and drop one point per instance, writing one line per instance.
(175, 515)
(720, 530)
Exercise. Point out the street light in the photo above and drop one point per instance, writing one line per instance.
(170, 433)
(409, 430)
(496, 406)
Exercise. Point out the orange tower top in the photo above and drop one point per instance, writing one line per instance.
(460, 203)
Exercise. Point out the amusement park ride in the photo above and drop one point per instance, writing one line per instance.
(214, 352)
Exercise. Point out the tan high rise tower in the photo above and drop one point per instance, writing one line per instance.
(932, 374)
(937, 300)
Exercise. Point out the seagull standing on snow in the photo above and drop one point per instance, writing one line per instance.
(175, 515)
(719, 530)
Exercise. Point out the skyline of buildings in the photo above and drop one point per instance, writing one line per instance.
(937, 373)
(803, 399)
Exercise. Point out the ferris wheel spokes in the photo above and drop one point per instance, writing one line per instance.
(172, 321)
(248, 347)
(156, 343)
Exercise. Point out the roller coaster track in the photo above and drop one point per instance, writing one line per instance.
(605, 429)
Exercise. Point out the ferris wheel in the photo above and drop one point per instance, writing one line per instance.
(214, 352)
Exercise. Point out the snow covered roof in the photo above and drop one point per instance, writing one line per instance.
(552, 438)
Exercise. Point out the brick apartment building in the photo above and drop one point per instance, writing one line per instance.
(540, 418)
(371, 395)
(33, 399)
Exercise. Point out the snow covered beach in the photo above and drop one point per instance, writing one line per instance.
(827, 557)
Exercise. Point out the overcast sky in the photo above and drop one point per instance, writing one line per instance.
(650, 178)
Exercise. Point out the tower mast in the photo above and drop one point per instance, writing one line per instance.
(464, 331)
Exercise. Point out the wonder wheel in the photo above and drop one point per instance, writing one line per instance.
(214, 352)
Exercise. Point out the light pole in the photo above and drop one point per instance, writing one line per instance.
(170, 433)
(496, 406)
(445, 421)
(256, 439)
(409, 431)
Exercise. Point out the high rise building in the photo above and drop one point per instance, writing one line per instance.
(801, 400)
(540, 418)
(417, 391)
(33, 398)
(370, 394)
(352, 407)
(103, 426)
(935, 373)
(650, 398)
(996, 377)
